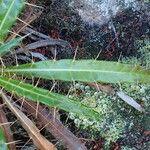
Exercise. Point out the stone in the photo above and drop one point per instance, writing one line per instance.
(100, 11)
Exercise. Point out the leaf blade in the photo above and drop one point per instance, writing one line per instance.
(47, 98)
(6, 47)
(83, 70)
(8, 14)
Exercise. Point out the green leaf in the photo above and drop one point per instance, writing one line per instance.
(83, 70)
(6, 47)
(3, 145)
(9, 10)
(48, 98)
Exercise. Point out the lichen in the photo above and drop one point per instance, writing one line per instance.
(112, 124)
(127, 148)
(117, 116)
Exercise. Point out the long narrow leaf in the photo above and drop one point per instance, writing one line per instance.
(6, 47)
(39, 141)
(3, 145)
(9, 10)
(47, 98)
(83, 70)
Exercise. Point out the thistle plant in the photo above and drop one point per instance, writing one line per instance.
(66, 70)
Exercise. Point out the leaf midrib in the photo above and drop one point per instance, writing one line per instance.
(46, 96)
(3, 21)
(66, 70)
(30, 91)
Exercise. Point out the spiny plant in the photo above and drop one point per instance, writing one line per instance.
(66, 70)
(117, 117)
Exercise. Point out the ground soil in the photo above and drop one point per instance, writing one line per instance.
(61, 21)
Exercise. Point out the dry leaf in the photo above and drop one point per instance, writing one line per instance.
(40, 141)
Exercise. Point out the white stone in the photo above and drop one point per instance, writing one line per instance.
(100, 11)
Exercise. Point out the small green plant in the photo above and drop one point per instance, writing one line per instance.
(66, 70)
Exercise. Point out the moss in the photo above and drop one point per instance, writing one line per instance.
(117, 116)
(112, 124)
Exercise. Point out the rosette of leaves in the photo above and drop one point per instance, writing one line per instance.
(67, 70)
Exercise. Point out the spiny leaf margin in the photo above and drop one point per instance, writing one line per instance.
(83, 70)
(48, 98)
